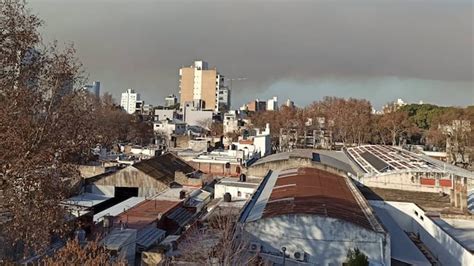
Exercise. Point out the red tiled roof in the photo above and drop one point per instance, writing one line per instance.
(146, 213)
(317, 192)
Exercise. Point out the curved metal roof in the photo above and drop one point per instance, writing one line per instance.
(310, 191)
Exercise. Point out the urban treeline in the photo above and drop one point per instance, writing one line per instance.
(352, 122)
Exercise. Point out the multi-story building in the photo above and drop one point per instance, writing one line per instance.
(129, 101)
(255, 106)
(171, 100)
(93, 89)
(202, 86)
(272, 104)
(393, 106)
(289, 103)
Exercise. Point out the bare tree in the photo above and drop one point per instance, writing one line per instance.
(218, 242)
(91, 253)
(397, 124)
(47, 126)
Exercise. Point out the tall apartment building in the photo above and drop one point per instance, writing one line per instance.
(204, 87)
(272, 104)
(129, 101)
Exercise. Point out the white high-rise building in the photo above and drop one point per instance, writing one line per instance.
(129, 101)
(272, 104)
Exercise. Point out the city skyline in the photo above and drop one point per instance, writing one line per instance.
(304, 51)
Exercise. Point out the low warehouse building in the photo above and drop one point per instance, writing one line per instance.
(316, 216)
(143, 179)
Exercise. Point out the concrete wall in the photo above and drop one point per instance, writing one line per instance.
(441, 244)
(132, 177)
(164, 114)
(221, 188)
(216, 168)
(195, 118)
(101, 190)
(91, 170)
(326, 241)
(408, 181)
(261, 170)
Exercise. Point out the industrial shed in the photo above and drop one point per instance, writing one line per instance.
(332, 161)
(143, 179)
(316, 216)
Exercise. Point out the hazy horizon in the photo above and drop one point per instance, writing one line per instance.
(378, 50)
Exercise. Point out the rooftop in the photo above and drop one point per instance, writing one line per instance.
(87, 200)
(461, 230)
(379, 159)
(118, 208)
(309, 191)
(164, 167)
(335, 159)
(145, 213)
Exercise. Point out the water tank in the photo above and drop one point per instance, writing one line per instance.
(227, 197)
(182, 194)
(242, 178)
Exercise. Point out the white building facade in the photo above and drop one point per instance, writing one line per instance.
(272, 104)
(129, 101)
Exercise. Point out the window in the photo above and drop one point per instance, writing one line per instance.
(239, 194)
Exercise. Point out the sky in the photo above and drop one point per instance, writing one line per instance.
(381, 50)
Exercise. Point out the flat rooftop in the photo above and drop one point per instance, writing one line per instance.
(426, 200)
(145, 213)
(172, 194)
(87, 200)
(236, 183)
(118, 208)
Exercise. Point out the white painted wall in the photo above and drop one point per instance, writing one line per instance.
(325, 240)
(441, 244)
(221, 188)
(164, 114)
(129, 100)
(402, 181)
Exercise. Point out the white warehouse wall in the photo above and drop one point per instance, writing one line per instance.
(441, 244)
(325, 240)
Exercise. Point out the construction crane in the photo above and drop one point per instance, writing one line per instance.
(236, 79)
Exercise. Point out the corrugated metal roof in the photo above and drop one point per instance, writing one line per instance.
(146, 213)
(335, 159)
(307, 191)
(163, 167)
(181, 216)
(149, 236)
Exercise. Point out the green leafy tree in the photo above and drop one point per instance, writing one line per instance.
(356, 258)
